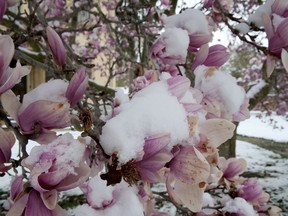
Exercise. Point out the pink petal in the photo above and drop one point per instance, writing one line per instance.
(6, 50)
(191, 195)
(190, 166)
(279, 7)
(3, 8)
(56, 45)
(270, 65)
(6, 142)
(16, 187)
(77, 86)
(12, 76)
(267, 25)
(72, 181)
(49, 199)
(35, 205)
(154, 144)
(48, 114)
(217, 131)
(19, 206)
(201, 56)
(178, 86)
(11, 104)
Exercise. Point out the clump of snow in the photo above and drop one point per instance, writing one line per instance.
(177, 42)
(193, 20)
(243, 28)
(256, 88)
(153, 110)
(122, 195)
(239, 206)
(256, 17)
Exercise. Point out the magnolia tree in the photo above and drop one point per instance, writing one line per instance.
(157, 145)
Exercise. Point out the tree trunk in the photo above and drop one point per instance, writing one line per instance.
(228, 149)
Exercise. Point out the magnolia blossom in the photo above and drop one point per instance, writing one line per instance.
(27, 201)
(57, 166)
(56, 45)
(232, 167)
(215, 55)
(9, 76)
(109, 200)
(6, 143)
(223, 98)
(250, 190)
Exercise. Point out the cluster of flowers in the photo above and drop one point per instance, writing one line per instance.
(168, 132)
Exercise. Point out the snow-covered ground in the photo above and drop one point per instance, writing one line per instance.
(271, 127)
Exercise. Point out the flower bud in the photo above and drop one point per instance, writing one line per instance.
(56, 45)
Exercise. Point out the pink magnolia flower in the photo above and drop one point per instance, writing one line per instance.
(156, 155)
(77, 87)
(109, 200)
(9, 76)
(6, 143)
(171, 47)
(250, 190)
(56, 45)
(232, 167)
(223, 98)
(57, 166)
(190, 171)
(215, 55)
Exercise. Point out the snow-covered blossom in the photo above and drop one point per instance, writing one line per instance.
(146, 114)
(222, 96)
(171, 47)
(6, 143)
(56, 45)
(195, 23)
(57, 166)
(42, 109)
(109, 200)
(9, 76)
